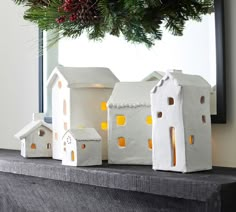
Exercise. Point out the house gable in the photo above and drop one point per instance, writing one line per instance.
(131, 94)
(31, 127)
(95, 77)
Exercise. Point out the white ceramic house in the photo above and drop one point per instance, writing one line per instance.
(181, 132)
(79, 97)
(36, 138)
(82, 147)
(130, 124)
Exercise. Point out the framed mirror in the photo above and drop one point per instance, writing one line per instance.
(199, 51)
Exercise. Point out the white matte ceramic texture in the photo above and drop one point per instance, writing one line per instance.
(82, 147)
(36, 138)
(132, 101)
(187, 148)
(82, 91)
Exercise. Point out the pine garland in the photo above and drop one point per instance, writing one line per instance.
(139, 21)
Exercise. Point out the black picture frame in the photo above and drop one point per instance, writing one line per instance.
(220, 117)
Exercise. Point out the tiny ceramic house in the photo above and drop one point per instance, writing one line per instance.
(130, 124)
(36, 138)
(82, 147)
(181, 130)
(79, 97)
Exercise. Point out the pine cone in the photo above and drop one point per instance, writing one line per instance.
(88, 12)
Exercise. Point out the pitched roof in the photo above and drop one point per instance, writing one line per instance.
(84, 134)
(131, 94)
(29, 128)
(154, 76)
(183, 80)
(84, 77)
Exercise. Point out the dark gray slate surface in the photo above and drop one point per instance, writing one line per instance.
(31, 194)
(213, 187)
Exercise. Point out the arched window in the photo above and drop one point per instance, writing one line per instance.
(72, 156)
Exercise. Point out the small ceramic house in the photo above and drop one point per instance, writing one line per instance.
(36, 138)
(181, 132)
(79, 97)
(130, 124)
(82, 147)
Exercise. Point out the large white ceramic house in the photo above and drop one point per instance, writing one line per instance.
(130, 124)
(82, 147)
(36, 138)
(181, 132)
(79, 97)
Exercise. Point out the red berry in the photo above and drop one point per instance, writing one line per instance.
(60, 19)
(73, 17)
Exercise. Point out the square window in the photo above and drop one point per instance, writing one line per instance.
(159, 114)
(103, 106)
(149, 120)
(104, 125)
(120, 120)
(121, 142)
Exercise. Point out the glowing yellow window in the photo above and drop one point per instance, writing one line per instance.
(173, 145)
(120, 120)
(72, 155)
(104, 125)
(121, 142)
(149, 120)
(191, 139)
(103, 106)
(33, 146)
(150, 143)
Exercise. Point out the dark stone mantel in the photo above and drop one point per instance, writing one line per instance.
(213, 190)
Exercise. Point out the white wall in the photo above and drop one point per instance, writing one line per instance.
(18, 72)
(224, 135)
(130, 62)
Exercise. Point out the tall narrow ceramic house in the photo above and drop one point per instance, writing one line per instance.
(130, 124)
(181, 130)
(79, 97)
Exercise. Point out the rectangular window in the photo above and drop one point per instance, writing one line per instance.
(149, 120)
(103, 106)
(173, 146)
(121, 142)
